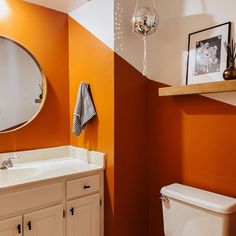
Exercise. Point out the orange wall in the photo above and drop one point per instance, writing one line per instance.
(45, 33)
(120, 129)
(150, 141)
(89, 60)
(191, 141)
(92, 62)
(131, 159)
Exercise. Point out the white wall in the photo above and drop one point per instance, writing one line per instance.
(59, 5)
(97, 17)
(167, 49)
(110, 21)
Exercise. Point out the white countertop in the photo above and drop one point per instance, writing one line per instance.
(44, 164)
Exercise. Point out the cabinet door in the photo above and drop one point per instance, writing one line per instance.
(83, 216)
(11, 227)
(46, 222)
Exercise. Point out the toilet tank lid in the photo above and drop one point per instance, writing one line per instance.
(201, 198)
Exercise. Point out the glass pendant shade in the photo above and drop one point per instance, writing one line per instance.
(145, 21)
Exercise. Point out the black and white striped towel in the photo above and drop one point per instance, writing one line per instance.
(84, 109)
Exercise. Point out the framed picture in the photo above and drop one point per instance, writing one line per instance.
(207, 57)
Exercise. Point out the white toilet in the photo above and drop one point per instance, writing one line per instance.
(189, 211)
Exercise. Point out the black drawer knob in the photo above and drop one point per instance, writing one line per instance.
(87, 186)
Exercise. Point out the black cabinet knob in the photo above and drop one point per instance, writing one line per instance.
(72, 211)
(29, 225)
(19, 228)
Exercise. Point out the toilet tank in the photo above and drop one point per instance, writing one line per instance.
(189, 211)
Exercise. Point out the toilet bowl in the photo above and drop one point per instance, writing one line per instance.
(189, 211)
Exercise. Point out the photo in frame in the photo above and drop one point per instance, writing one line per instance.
(207, 57)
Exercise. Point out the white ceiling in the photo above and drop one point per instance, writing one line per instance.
(66, 6)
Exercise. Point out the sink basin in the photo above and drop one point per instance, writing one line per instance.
(12, 175)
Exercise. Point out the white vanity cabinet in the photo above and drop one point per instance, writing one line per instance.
(46, 222)
(67, 206)
(11, 227)
(83, 216)
(83, 206)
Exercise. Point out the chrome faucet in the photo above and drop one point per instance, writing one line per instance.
(5, 164)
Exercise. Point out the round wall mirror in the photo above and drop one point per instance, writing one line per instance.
(23, 86)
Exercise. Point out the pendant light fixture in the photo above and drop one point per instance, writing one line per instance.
(145, 21)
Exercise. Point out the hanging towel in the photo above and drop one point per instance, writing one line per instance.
(84, 109)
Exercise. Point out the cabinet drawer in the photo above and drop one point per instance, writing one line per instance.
(83, 186)
(26, 199)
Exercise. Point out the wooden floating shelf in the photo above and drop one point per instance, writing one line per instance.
(212, 87)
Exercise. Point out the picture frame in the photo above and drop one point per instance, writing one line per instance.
(207, 57)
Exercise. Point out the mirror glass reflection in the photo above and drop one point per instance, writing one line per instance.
(22, 86)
